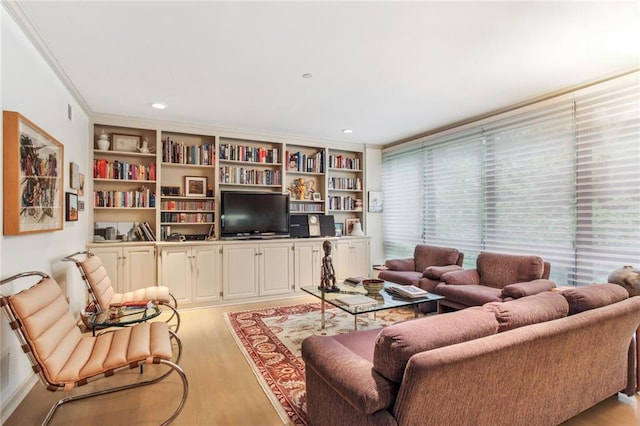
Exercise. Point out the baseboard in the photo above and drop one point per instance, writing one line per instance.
(11, 403)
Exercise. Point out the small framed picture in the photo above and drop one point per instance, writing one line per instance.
(71, 211)
(127, 143)
(375, 202)
(74, 175)
(317, 196)
(80, 205)
(339, 229)
(195, 186)
(349, 223)
(81, 185)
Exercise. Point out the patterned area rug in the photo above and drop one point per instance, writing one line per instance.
(271, 338)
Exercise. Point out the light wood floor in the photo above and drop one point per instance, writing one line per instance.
(222, 388)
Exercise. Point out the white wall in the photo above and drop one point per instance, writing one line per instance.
(29, 86)
(373, 162)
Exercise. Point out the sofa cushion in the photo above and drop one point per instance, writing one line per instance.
(401, 265)
(497, 269)
(518, 290)
(469, 295)
(426, 256)
(399, 342)
(435, 272)
(593, 296)
(401, 277)
(528, 310)
(359, 342)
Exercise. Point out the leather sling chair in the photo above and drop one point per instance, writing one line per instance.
(103, 294)
(63, 358)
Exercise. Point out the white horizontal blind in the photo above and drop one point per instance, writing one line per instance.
(453, 192)
(608, 179)
(402, 178)
(529, 186)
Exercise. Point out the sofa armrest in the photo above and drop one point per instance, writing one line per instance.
(401, 264)
(348, 374)
(465, 276)
(435, 272)
(529, 288)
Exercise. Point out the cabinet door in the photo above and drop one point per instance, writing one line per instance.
(341, 255)
(359, 261)
(138, 267)
(206, 273)
(176, 272)
(239, 266)
(111, 258)
(276, 269)
(307, 264)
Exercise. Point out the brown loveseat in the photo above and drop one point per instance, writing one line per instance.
(500, 364)
(497, 277)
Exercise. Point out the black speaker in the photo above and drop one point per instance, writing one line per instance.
(299, 226)
(327, 226)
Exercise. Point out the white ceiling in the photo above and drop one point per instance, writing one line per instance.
(387, 70)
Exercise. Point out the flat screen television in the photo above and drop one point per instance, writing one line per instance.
(246, 214)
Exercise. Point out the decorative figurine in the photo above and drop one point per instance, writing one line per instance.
(103, 141)
(328, 280)
(144, 147)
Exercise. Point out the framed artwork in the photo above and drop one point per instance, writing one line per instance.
(80, 205)
(195, 186)
(81, 185)
(317, 196)
(33, 177)
(339, 229)
(348, 223)
(127, 143)
(71, 211)
(74, 175)
(375, 202)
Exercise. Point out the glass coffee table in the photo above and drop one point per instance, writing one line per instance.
(124, 317)
(379, 302)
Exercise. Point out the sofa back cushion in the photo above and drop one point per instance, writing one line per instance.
(426, 255)
(528, 310)
(399, 342)
(593, 296)
(497, 269)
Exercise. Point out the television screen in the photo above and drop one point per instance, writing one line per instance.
(253, 214)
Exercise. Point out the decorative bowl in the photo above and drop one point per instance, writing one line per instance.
(373, 286)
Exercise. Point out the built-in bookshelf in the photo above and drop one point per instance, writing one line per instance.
(345, 185)
(305, 168)
(250, 164)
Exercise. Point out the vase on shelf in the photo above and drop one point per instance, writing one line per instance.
(103, 141)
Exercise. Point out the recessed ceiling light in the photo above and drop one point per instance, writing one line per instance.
(307, 75)
(159, 105)
(347, 131)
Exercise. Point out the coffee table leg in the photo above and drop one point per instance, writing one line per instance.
(355, 322)
(322, 312)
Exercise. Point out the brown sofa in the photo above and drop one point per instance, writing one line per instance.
(497, 277)
(518, 362)
(423, 269)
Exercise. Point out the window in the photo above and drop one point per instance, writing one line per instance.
(559, 179)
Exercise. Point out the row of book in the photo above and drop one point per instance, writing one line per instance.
(105, 169)
(187, 205)
(250, 154)
(181, 153)
(306, 207)
(345, 203)
(242, 176)
(139, 198)
(342, 162)
(345, 183)
(301, 162)
(144, 232)
(186, 217)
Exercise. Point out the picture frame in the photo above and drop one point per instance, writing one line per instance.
(375, 202)
(81, 185)
(71, 207)
(80, 205)
(317, 196)
(339, 229)
(195, 186)
(74, 175)
(33, 163)
(348, 225)
(125, 143)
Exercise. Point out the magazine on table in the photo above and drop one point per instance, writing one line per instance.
(354, 281)
(410, 291)
(359, 300)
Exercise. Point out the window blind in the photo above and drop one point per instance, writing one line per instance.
(559, 179)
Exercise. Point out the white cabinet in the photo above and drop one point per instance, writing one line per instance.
(351, 258)
(307, 263)
(192, 273)
(129, 267)
(251, 270)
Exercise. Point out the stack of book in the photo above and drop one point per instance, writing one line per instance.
(356, 300)
(409, 291)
